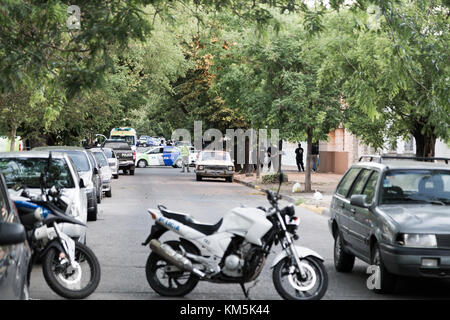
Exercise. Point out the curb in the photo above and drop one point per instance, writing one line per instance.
(319, 210)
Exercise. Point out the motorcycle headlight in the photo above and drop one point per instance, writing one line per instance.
(417, 240)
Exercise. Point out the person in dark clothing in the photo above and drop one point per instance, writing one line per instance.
(269, 155)
(299, 158)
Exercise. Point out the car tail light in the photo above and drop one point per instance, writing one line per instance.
(134, 155)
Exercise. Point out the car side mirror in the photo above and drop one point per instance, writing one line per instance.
(359, 200)
(95, 171)
(11, 233)
(82, 185)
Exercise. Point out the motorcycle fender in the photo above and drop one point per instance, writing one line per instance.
(52, 244)
(302, 252)
(156, 232)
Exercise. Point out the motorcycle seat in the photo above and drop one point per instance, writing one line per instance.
(187, 220)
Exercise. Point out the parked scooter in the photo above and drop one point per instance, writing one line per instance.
(70, 268)
(233, 251)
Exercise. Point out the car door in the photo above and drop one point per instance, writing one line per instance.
(358, 226)
(12, 257)
(155, 156)
(340, 204)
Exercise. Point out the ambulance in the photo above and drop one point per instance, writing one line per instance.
(126, 133)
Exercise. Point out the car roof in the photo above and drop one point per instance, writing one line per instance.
(69, 148)
(403, 164)
(32, 154)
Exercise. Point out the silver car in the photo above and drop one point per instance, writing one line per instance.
(112, 161)
(23, 170)
(105, 170)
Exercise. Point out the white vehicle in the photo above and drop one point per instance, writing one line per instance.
(23, 170)
(105, 171)
(193, 156)
(128, 134)
(233, 250)
(214, 164)
(112, 161)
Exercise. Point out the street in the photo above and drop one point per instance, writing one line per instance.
(124, 224)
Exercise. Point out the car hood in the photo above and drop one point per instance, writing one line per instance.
(215, 163)
(419, 218)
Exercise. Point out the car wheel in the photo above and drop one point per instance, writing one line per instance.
(92, 215)
(229, 179)
(132, 172)
(343, 261)
(178, 164)
(125, 171)
(199, 178)
(116, 176)
(386, 280)
(108, 193)
(142, 163)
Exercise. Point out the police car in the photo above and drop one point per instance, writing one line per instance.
(159, 156)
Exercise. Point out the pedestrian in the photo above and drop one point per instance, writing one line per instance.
(299, 158)
(315, 156)
(184, 153)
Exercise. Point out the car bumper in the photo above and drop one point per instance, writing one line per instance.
(215, 173)
(126, 164)
(106, 186)
(408, 261)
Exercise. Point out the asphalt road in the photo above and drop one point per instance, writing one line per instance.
(124, 224)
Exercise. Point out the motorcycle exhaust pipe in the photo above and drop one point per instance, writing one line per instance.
(173, 257)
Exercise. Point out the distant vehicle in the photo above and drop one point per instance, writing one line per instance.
(124, 153)
(5, 144)
(23, 170)
(159, 156)
(393, 213)
(214, 164)
(193, 156)
(15, 257)
(105, 171)
(87, 171)
(129, 134)
(112, 161)
(147, 141)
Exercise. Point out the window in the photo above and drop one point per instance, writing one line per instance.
(346, 182)
(369, 189)
(101, 158)
(80, 160)
(360, 182)
(117, 145)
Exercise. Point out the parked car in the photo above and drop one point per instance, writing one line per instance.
(147, 141)
(23, 170)
(193, 156)
(112, 161)
(87, 171)
(105, 171)
(393, 213)
(214, 164)
(124, 153)
(15, 254)
(98, 176)
(159, 156)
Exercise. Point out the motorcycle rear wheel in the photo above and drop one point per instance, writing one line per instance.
(58, 277)
(172, 287)
(312, 288)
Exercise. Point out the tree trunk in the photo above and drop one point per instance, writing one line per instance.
(425, 144)
(13, 137)
(308, 160)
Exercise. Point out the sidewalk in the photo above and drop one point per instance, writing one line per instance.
(325, 183)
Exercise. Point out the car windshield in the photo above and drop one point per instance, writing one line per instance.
(26, 172)
(117, 145)
(100, 158)
(215, 155)
(128, 139)
(80, 160)
(108, 153)
(416, 186)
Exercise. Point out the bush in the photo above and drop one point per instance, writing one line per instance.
(273, 178)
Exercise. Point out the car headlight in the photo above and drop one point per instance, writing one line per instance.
(417, 240)
(200, 167)
(230, 168)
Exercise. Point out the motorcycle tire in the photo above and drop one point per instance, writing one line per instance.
(81, 252)
(152, 267)
(320, 274)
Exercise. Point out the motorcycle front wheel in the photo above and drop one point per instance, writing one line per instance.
(72, 282)
(290, 285)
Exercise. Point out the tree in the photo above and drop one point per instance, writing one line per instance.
(394, 75)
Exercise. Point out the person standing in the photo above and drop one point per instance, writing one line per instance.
(184, 153)
(315, 157)
(299, 158)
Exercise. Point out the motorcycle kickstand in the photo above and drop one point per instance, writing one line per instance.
(246, 292)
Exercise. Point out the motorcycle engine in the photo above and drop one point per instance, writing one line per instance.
(234, 263)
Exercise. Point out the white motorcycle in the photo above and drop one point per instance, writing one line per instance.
(234, 250)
